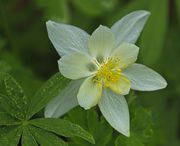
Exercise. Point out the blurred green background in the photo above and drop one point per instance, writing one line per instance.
(26, 52)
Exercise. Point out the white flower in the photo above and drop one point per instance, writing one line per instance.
(102, 67)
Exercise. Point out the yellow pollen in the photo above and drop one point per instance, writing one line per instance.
(109, 72)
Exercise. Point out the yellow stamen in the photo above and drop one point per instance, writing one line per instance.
(108, 73)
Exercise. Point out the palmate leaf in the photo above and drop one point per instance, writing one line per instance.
(45, 138)
(10, 107)
(96, 125)
(15, 122)
(16, 94)
(62, 127)
(9, 136)
(6, 119)
(27, 138)
(47, 92)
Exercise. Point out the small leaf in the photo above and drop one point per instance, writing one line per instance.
(15, 94)
(45, 138)
(6, 119)
(27, 138)
(62, 127)
(10, 136)
(47, 92)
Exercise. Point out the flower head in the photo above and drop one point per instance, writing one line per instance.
(105, 61)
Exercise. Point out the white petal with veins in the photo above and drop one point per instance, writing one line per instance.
(67, 38)
(126, 53)
(115, 110)
(144, 79)
(101, 42)
(76, 65)
(89, 93)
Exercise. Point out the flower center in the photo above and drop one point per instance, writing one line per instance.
(109, 72)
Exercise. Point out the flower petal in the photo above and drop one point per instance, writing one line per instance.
(122, 86)
(76, 65)
(129, 27)
(67, 38)
(101, 42)
(127, 54)
(89, 93)
(65, 101)
(115, 110)
(144, 79)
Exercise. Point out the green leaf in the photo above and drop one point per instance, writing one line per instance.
(16, 94)
(62, 127)
(45, 138)
(47, 92)
(153, 36)
(89, 120)
(7, 104)
(10, 136)
(6, 119)
(27, 138)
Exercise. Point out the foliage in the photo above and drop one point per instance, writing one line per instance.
(16, 116)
